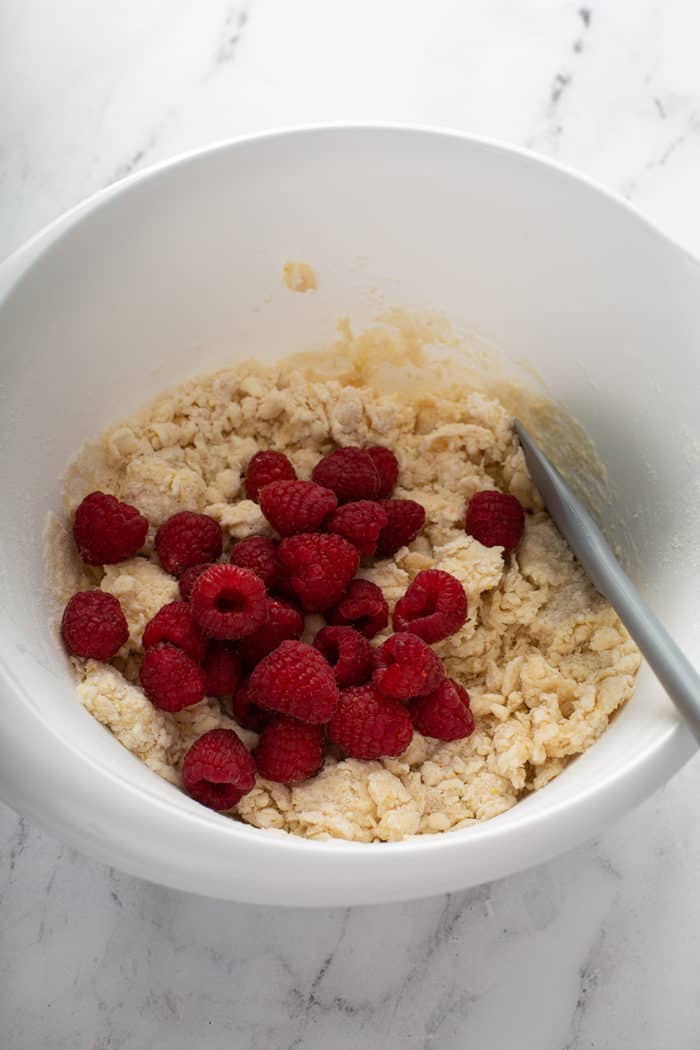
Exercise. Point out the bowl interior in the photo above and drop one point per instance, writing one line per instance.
(179, 273)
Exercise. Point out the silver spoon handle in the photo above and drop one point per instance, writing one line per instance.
(670, 665)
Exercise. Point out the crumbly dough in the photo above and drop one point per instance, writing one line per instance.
(544, 657)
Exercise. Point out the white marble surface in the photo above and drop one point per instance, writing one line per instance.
(595, 949)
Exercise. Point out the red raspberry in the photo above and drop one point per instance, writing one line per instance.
(170, 678)
(228, 602)
(350, 473)
(264, 468)
(360, 523)
(433, 607)
(363, 606)
(387, 467)
(289, 751)
(406, 667)
(282, 587)
(348, 653)
(94, 625)
(107, 531)
(283, 623)
(319, 566)
(367, 725)
(186, 581)
(296, 681)
(259, 554)
(406, 519)
(245, 711)
(217, 770)
(296, 506)
(174, 623)
(222, 669)
(495, 519)
(444, 714)
(187, 539)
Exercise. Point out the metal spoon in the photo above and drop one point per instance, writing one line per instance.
(672, 668)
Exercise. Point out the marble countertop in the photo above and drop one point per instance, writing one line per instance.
(598, 948)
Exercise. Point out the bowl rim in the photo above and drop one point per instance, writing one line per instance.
(62, 222)
(642, 773)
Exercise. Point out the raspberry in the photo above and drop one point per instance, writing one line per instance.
(350, 473)
(387, 466)
(495, 519)
(222, 669)
(94, 625)
(187, 539)
(170, 678)
(282, 587)
(217, 770)
(186, 581)
(228, 602)
(444, 714)
(174, 623)
(289, 751)
(319, 566)
(296, 506)
(406, 519)
(264, 468)
(348, 653)
(406, 667)
(283, 623)
(360, 523)
(363, 606)
(433, 607)
(107, 531)
(367, 725)
(296, 681)
(259, 554)
(245, 711)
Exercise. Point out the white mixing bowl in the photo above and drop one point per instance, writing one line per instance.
(176, 271)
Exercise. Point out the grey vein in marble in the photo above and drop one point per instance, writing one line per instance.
(589, 979)
(234, 24)
(560, 86)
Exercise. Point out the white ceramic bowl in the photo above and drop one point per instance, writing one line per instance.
(176, 271)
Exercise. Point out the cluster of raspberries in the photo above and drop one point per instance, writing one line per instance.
(235, 633)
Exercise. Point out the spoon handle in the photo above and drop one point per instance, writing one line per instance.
(670, 665)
